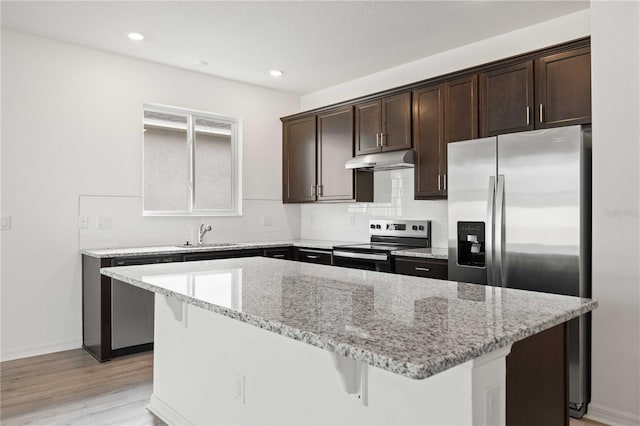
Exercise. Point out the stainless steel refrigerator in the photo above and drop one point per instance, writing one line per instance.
(520, 217)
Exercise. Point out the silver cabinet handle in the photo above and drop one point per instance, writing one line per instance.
(541, 116)
(311, 256)
(320, 190)
(418, 268)
(313, 190)
(278, 255)
(377, 139)
(438, 182)
(528, 114)
(382, 139)
(445, 181)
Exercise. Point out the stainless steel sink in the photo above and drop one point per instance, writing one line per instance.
(207, 245)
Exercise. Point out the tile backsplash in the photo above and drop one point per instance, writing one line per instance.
(393, 198)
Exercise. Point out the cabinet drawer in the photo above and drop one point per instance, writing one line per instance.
(278, 253)
(432, 268)
(314, 256)
(222, 254)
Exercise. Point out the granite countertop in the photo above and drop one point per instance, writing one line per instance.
(425, 253)
(415, 327)
(177, 249)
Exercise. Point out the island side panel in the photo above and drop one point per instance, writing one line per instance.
(537, 380)
(210, 369)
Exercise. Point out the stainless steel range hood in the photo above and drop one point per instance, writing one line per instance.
(382, 161)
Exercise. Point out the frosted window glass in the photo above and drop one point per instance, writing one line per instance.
(166, 169)
(213, 182)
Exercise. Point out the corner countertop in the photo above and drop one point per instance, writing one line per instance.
(415, 327)
(425, 253)
(177, 249)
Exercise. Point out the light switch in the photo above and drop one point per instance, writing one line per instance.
(83, 222)
(6, 223)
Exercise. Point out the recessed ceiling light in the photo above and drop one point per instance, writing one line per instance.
(135, 36)
(276, 73)
(200, 63)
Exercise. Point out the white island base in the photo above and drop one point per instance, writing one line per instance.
(211, 369)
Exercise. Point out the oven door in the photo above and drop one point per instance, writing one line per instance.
(376, 261)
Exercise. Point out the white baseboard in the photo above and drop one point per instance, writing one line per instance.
(26, 352)
(612, 417)
(166, 413)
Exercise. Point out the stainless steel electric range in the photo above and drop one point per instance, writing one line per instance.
(386, 236)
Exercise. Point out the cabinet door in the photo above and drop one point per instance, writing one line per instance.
(428, 141)
(368, 127)
(396, 122)
(299, 160)
(461, 109)
(460, 115)
(563, 89)
(506, 100)
(335, 147)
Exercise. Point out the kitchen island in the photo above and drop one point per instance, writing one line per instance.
(269, 341)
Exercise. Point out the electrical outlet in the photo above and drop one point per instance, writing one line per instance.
(493, 405)
(83, 222)
(352, 219)
(239, 384)
(267, 220)
(103, 223)
(6, 223)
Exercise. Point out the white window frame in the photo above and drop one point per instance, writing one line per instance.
(236, 162)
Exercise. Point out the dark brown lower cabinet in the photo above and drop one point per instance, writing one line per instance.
(537, 380)
(427, 268)
(279, 253)
(100, 318)
(312, 255)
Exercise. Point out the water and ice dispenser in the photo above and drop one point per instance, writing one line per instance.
(471, 244)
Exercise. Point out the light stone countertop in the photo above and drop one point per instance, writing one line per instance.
(425, 253)
(415, 327)
(177, 249)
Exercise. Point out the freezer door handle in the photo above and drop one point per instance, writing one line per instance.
(499, 231)
(489, 237)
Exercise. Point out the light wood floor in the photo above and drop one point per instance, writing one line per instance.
(72, 388)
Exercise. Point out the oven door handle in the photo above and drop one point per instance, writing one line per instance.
(364, 256)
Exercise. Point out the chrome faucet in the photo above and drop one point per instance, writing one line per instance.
(201, 231)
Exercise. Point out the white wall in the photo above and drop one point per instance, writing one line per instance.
(615, 48)
(72, 126)
(616, 179)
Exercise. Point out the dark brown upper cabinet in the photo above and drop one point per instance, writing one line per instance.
(335, 147)
(383, 124)
(299, 160)
(315, 150)
(461, 109)
(428, 142)
(563, 89)
(506, 100)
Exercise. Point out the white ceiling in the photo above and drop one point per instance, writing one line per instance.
(317, 43)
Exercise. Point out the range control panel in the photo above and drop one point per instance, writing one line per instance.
(401, 228)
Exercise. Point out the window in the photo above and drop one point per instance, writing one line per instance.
(191, 163)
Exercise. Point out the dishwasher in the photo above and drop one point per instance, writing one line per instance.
(132, 309)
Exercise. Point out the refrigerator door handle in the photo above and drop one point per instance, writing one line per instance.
(499, 231)
(491, 198)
